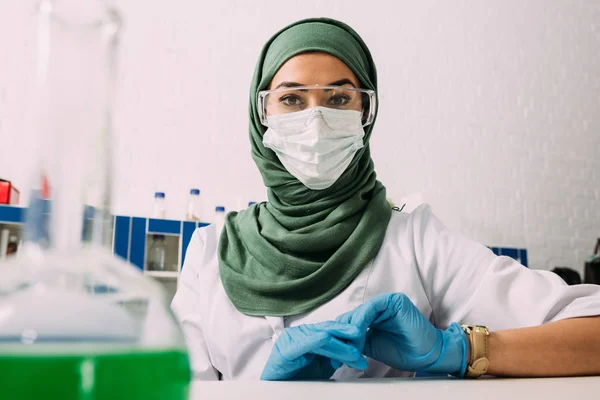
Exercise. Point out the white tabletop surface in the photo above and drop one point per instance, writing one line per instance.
(404, 389)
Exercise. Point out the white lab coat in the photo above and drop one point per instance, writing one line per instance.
(447, 276)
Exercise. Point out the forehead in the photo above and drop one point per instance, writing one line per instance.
(313, 69)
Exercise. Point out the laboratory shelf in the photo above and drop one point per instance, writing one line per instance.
(130, 235)
(10, 214)
(518, 254)
(164, 226)
(162, 274)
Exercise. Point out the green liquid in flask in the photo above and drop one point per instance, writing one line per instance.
(77, 372)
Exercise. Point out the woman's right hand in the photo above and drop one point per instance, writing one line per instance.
(311, 351)
(401, 337)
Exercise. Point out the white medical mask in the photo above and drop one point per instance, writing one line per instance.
(315, 145)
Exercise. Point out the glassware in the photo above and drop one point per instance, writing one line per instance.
(13, 245)
(76, 322)
(159, 209)
(194, 211)
(4, 238)
(157, 254)
(219, 217)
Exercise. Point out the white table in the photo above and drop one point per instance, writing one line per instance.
(404, 389)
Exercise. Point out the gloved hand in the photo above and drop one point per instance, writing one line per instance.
(401, 337)
(307, 352)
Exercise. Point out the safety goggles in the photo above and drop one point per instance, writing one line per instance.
(289, 100)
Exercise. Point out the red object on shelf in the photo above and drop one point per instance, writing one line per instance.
(8, 193)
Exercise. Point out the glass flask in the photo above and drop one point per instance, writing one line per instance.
(76, 322)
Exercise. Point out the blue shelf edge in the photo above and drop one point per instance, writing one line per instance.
(129, 244)
(519, 255)
(11, 214)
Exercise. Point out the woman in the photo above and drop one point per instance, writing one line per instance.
(307, 284)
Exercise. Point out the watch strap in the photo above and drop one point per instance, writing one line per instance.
(478, 361)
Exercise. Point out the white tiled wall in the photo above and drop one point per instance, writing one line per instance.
(490, 110)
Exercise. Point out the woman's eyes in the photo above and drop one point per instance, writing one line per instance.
(291, 100)
(339, 100)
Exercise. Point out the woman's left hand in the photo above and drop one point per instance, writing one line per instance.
(313, 352)
(398, 335)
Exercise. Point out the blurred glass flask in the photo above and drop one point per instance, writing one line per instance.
(66, 301)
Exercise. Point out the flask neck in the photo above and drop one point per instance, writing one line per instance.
(71, 119)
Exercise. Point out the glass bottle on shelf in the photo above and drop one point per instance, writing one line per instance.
(13, 245)
(105, 329)
(219, 218)
(157, 254)
(159, 209)
(194, 210)
(4, 238)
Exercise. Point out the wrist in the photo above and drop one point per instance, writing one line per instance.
(477, 354)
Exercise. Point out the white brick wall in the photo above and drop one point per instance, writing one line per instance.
(490, 110)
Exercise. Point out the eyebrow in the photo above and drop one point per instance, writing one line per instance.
(340, 82)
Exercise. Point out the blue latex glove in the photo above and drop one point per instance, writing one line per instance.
(307, 352)
(401, 337)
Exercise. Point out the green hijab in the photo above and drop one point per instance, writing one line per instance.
(301, 248)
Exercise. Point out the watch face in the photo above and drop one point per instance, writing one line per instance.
(481, 328)
(468, 329)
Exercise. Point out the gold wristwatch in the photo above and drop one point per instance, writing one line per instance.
(478, 363)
